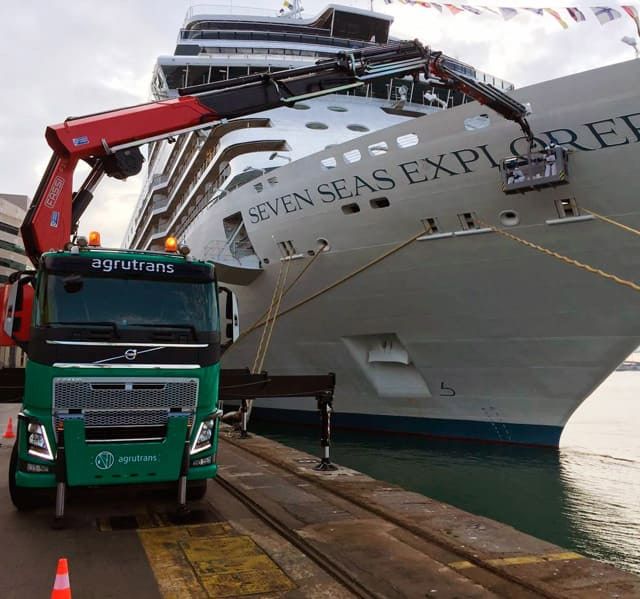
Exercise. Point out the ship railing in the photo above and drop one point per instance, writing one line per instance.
(227, 9)
(268, 36)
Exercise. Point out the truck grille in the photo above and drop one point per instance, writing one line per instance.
(136, 402)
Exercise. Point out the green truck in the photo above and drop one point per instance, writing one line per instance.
(121, 385)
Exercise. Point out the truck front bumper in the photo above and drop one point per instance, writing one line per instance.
(114, 463)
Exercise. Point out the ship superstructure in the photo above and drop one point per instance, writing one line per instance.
(378, 208)
(185, 177)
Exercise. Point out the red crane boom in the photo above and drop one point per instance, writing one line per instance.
(109, 141)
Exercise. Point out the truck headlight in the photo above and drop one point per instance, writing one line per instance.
(204, 436)
(37, 442)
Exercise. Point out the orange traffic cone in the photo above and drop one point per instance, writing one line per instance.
(9, 434)
(61, 587)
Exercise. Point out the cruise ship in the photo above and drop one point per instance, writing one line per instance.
(384, 228)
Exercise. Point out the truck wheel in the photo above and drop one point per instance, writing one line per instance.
(196, 489)
(23, 498)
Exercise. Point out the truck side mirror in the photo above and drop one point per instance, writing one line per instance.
(229, 317)
(16, 306)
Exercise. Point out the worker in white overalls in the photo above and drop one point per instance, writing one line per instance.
(550, 168)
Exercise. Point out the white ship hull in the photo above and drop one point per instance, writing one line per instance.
(463, 333)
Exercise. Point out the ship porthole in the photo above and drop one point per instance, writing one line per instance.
(266, 260)
(359, 128)
(509, 218)
(316, 125)
(321, 241)
(300, 106)
(337, 108)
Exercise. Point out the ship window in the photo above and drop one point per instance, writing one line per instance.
(567, 208)
(197, 75)
(175, 76)
(287, 248)
(237, 72)
(431, 225)
(359, 128)
(242, 178)
(468, 220)
(406, 141)
(258, 187)
(350, 208)
(328, 163)
(316, 125)
(337, 108)
(299, 106)
(379, 202)
(219, 74)
(379, 148)
(352, 156)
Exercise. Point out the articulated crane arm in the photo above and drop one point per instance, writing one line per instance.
(109, 141)
(482, 92)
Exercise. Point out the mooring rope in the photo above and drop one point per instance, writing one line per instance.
(272, 313)
(612, 222)
(563, 258)
(335, 284)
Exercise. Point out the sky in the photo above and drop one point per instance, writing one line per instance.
(61, 58)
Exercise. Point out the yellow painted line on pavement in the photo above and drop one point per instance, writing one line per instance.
(523, 559)
(210, 560)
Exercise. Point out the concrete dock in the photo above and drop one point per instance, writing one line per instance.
(271, 526)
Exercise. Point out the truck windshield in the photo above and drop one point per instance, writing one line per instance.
(126, 302)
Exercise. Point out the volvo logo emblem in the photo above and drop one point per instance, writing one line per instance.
(131, 354)
(104, 460)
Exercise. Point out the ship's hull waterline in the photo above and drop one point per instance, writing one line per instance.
(467, 335)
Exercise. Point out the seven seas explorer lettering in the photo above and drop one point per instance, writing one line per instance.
(607, 133)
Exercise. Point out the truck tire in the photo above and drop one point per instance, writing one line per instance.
(23, 498)
(196, 489)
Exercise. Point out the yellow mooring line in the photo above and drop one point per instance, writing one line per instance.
(565, 259)
(210, 560)
(612, 222)
(522, 559)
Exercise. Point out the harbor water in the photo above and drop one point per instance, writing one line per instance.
(584, 496)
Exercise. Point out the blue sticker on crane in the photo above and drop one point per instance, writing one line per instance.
(80, 141)
(55, 218)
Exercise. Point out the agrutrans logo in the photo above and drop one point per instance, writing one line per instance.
(105, 460)
(119, 264)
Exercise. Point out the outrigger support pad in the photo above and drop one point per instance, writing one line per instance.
(244, 419)
(325, 402)
(242, 385)
(182, 480)
(61, 482)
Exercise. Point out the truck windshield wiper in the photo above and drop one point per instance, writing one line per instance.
(164, 325)
(88, 325)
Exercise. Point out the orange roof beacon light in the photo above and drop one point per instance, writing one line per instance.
(94, 239)
(171, 244)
